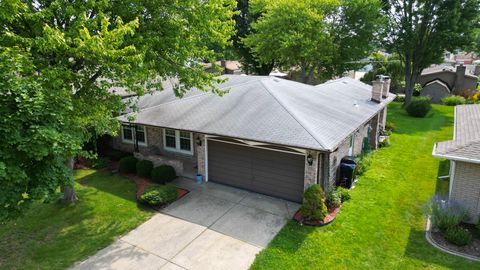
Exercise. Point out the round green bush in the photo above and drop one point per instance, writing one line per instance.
(313, 207)
(344, 194)
(159, 195)
(453, 100)
(144, 168)
(419, 106)
(333, 200)
(163, 174)
(127, 165)
(458, 236)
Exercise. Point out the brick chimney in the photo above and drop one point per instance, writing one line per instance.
(377, 90)
(459, 79)
(386, 86)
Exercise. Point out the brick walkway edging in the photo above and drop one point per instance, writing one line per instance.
(428, 236)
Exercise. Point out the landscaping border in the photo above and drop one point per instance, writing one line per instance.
(428, 236)
(328, 219)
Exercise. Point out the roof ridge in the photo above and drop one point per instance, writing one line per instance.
(191, 97)
(293, 115)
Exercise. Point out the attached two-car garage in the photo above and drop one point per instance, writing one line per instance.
(275, 173)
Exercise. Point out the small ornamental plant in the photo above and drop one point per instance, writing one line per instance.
(313, 207)
(444, 214)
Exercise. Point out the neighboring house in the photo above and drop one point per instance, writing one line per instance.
(439, 83)
(227, 66)
(267, 134)
(464, 155)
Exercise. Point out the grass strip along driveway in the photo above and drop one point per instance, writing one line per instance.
(55, 236)
(382, 226)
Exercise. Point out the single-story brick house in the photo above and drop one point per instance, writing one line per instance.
(267, 135)
(464, 155)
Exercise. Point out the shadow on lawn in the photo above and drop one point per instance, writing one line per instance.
(108, 182)
(418, 248)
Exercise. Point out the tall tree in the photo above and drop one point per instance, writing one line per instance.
(59, 60)
(386, 65)
(421, 30)
(244, 18)
(320, 38)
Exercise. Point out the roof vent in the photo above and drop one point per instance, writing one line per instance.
(276, 80)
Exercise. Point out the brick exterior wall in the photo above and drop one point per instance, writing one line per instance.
(155, 147)
(342, 151)
(200, 150)
(312, 171)
(466, 188)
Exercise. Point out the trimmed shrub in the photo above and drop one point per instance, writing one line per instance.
(159, 195)
(458, 236)
(419, 106)
(127, 164)
(390, 126)
(313, 207)
(453, 100)
(333, 199)
(144, 168)
(163, 174)
(444, 214)
(363, 164)
(344, 194)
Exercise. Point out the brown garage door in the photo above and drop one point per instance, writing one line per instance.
(269, 172)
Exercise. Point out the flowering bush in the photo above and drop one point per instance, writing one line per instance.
(445, 214)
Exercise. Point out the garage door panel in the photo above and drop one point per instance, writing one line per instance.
(278, 191)
(265, 171)
(278, 171)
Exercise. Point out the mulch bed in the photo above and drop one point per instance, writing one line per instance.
(472, 249)
(143, 183)
(332, 213)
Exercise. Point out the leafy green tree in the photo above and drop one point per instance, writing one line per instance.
(59, 60)
(421, 30)
(319, 38)
(386, 65)
(244, 18)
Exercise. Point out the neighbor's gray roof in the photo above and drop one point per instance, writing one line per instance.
(267, 109)
(465, 145)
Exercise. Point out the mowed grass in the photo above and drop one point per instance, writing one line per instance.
(382, 226)
(55, 236)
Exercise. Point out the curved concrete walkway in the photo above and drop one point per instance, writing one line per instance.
(212, 227)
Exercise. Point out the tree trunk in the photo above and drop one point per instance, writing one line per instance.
(409, 85)
(69, 195)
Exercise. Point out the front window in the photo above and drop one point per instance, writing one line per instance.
(127, 133)
(178, 141)
(130, 133)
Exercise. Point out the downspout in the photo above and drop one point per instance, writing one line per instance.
(135, 140)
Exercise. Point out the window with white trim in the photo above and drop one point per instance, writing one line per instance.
(130, 133)
(178, 141)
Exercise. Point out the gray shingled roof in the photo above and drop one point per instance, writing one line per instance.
(466, 141)
(267, 109)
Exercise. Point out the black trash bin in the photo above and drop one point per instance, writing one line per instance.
(347, 172)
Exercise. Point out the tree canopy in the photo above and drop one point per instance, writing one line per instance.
(320, 38)
(59, 60)
(386, 65)
(421, 30)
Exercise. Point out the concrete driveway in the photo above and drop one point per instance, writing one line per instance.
(212, 227)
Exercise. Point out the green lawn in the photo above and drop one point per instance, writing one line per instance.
(54, 236)
(382, 226)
